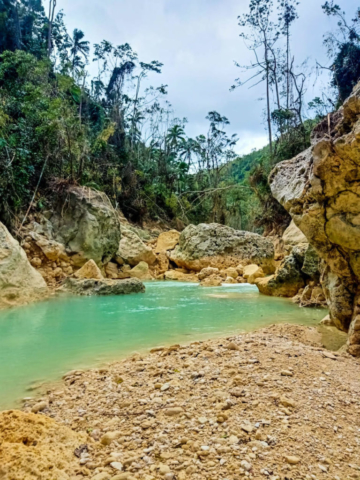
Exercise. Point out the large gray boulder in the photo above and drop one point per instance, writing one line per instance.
(219, 246)
(87, 224)
(320, 188)
(20, 283)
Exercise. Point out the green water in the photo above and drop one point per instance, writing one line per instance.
(39, 343)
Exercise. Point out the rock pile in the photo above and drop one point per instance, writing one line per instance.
(259, 405)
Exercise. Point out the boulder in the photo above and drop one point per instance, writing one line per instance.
(132, 249)
(167, 241)
(252, 272)
(85, 222)
(212, 281)
(89, 270)
(286, 282)
(320, 190)
(179, 276)
(162, 264)
(112, 270)
(219, 246)
(293, 236)
(230, 280)
(207, 272)
(53, 250)
(141, 271)
(91, 287)
(20, 283)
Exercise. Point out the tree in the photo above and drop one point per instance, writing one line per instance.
(261, 35)
(79, 48)
(287, 15)
(343, 49)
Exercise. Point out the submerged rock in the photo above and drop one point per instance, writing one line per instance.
(91, 287)
(214, 245)
(20, 283)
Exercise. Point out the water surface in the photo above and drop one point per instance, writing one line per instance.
(42, 341)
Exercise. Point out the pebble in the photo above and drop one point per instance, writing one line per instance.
(292, 460)
(116, 465)
(171, 412)
(39, 407)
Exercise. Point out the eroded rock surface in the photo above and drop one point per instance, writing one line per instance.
(214, 245)
(132, 250)
(87, 224)
(90, 287)
(35, 447)
(320, 188)
(20, 283)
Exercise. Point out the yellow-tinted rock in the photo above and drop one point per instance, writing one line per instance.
(167, 241)
(141, 272)
(180, 276)
(252, 272)
(32, 445)
(89, 270)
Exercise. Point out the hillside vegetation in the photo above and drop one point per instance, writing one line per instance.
(115, 133)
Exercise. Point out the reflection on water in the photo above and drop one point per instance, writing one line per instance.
(40, 342)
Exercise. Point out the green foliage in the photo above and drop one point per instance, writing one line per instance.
(59, 127)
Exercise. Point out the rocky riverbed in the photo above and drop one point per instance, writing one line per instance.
(270, 404)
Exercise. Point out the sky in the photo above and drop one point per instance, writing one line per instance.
(198, 42)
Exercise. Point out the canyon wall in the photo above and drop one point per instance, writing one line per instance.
(320, 188)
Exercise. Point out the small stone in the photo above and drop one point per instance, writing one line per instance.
(116, 465)
(202, 420)
(232, 346)
(109, 437)
(165, 387)
(39, 407)
(164, 469)
(247, 427)
(287, 373)
(246, 465)
(292, 460)
(172, 412)
(233, 439)
(287, 402)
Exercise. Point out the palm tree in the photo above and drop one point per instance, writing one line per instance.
(79, 47)
(175, 136)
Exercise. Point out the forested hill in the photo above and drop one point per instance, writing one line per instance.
(59, 125)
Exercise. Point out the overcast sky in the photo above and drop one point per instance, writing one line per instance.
(198, 42)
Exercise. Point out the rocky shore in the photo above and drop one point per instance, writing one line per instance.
(268, 404)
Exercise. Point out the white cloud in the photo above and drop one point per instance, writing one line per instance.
(198, 41)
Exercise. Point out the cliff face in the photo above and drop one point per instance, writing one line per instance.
(320, 188)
